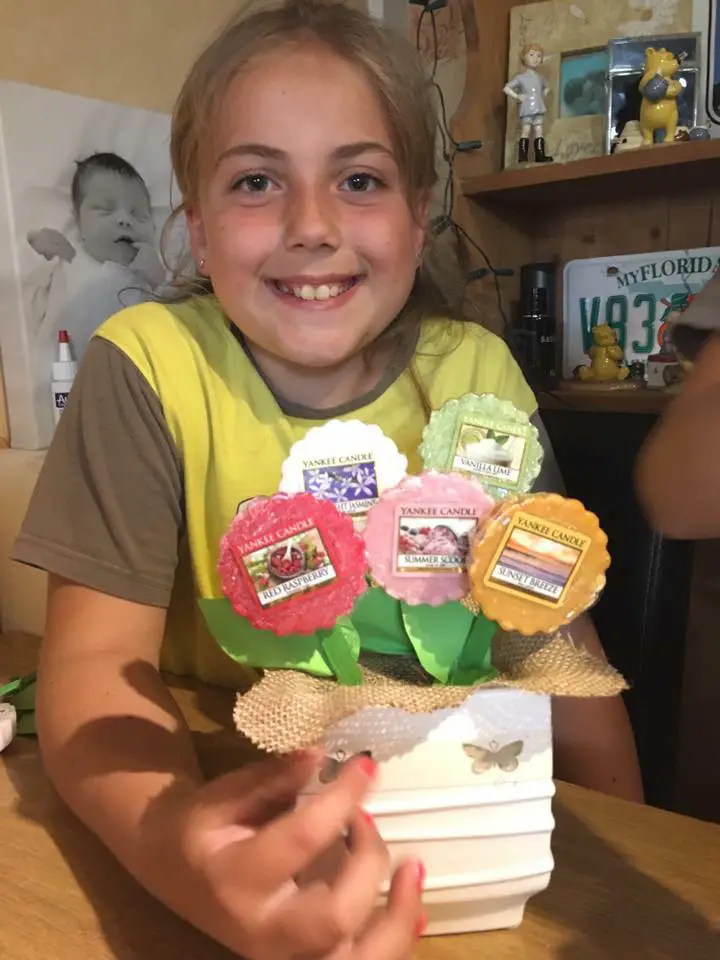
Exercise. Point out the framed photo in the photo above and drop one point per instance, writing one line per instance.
(583, 83)
(713, 69)
(706, 20)
(86, 189)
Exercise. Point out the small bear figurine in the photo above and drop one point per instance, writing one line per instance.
(659, 91)
(606, 357)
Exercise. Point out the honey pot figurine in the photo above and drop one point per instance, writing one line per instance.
(530, 89)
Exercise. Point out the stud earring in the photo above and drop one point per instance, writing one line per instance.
(202, 264)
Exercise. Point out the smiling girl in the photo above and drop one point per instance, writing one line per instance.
(303, 142)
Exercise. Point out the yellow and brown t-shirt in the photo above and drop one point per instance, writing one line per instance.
(170, 426)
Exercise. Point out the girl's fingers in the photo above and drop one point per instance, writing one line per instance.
(319, 919)
(288, 845)
(395, 932)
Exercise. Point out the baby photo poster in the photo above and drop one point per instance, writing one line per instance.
(86, 188)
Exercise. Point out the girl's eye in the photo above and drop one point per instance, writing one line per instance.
(362, 183)
(253, 183)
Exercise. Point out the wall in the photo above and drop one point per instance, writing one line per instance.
(135, 53)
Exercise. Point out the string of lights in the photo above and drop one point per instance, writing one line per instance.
(450, 150)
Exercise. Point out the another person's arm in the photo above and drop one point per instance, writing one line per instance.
(678, 469)
(593, 741)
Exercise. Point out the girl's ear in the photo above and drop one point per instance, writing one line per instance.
(421, 219)
(196, 234)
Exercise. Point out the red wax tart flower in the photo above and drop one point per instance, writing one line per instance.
(292, 564)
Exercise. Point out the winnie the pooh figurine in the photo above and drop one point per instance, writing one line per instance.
(606, 358)
(659, 91)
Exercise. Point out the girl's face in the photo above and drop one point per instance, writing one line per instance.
(302, 219)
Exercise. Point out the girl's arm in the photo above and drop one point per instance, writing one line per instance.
(593, 740)
(678, 469)
(223, 855)
(105, 520)
(111, 737)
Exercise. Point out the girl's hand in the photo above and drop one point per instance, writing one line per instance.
(245, 844)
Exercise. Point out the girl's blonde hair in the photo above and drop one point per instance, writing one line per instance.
(393, 70)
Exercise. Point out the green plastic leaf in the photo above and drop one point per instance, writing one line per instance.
(378, 620)
(437, 634)
(341, 648)
(474, 664)
(16, 685)
(261, 648)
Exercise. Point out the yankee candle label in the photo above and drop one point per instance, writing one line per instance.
(286, 567)
(538, 558)
(433, 539)
(489, 452)
(349, 481)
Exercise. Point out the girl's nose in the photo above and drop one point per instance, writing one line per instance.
(311, 220)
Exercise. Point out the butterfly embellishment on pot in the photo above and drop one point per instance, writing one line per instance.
(332, 765)
(485, 758)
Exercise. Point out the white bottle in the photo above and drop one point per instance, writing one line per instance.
(8, 725)
(63, 374)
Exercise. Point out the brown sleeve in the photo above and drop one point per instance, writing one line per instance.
(107, 510)
(693, 328)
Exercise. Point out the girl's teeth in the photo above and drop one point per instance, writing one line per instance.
(326, 291)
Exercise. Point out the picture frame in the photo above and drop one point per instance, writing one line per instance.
(583, 83)
(55, 274)
(712, 76)
(627, 57)
(563, 28)
(706, 21)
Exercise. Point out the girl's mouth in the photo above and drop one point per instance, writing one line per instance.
(314, 292)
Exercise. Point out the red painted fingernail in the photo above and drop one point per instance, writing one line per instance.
(421, 926)
(367, 817)
(420, 874)
(368, 766)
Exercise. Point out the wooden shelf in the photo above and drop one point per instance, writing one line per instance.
(652, 402)
(659, 169)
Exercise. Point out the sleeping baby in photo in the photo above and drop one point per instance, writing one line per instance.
(113, 264)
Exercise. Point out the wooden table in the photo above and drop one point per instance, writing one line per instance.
(630, 882)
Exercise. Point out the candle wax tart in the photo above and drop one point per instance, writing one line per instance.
(418, 534)
(292, 564)
(485, 439)
(346, 462)
(538, 563)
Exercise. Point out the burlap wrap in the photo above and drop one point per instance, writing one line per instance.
(287, 710)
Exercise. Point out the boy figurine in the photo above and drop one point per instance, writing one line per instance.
(530, 90)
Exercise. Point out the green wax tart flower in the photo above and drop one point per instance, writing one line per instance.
(486, 439)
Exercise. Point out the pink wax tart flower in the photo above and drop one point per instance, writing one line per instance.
(292, 564)
(418, 536)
